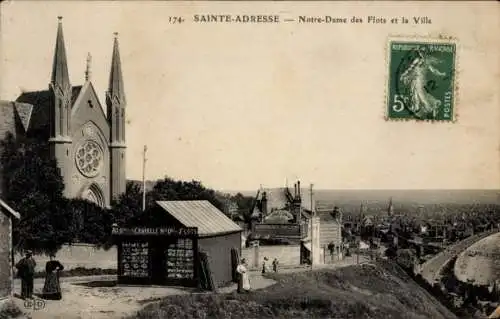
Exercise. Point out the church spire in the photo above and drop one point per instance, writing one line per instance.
(88, 70)
(115, 101)
(390, 209)
(115, 97)
(115, 88)
(60, 89)
(60, 76)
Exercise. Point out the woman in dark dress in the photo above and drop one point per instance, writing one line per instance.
(52, 287)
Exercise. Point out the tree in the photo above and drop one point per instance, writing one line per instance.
(128, 207)
(92, 224)
(27, 169)
(169, 189)
(245, 206)
(33, 185)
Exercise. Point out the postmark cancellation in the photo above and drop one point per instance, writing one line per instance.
(421, 81)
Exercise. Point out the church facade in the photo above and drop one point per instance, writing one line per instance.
(88, 144)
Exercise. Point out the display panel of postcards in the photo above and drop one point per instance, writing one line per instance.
(180, 261)
(135, 259)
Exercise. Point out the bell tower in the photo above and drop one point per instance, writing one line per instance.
(60, 110)
(115, 102)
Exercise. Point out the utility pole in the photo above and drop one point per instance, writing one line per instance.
(313, 214)
(144, 177)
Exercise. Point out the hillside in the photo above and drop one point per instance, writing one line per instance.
(362, 291)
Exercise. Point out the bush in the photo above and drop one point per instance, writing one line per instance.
(10, 311)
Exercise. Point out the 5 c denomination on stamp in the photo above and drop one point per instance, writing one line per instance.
(421, 81)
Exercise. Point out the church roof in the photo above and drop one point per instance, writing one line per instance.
(41, 102)
(24, 112)
(12, 113)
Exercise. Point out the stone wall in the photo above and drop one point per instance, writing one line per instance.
(5, 254)
(88, 256)
(287, 255)
(80, 255)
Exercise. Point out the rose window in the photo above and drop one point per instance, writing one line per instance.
(89, 158)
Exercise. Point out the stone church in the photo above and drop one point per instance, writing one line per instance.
(88, 144)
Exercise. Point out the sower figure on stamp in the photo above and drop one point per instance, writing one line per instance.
(52, 286)
(421, 83)
(26, 271)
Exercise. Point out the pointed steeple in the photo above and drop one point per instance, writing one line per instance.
(390, 209)
(115, 88)
(60, 76)
(88, 69)
(115, 101)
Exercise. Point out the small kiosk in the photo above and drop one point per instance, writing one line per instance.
(157, 256)
(180, 243)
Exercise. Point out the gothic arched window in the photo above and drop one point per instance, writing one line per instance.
(94, 194)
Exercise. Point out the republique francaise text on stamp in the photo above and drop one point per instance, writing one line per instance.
(421, 81)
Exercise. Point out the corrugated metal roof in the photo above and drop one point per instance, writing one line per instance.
(201, 214)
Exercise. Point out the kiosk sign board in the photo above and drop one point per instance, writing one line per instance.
(160, 256)
(156, 231)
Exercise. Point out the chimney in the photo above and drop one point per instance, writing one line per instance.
(294, 190)
(264, 204)
(298, 189)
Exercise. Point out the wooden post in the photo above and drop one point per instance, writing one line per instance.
(144, 178)
(256, 256)
(313, 215)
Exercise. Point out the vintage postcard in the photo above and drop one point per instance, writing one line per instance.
(249, 159)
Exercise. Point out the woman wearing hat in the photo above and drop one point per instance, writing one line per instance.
(243, 280)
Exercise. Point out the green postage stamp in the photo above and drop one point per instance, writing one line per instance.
(421, 80)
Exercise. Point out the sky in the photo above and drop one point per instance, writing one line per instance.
(237, 106)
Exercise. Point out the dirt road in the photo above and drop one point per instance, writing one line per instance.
(106, 300)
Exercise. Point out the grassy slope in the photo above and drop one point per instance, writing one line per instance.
(9, 310)
(363, 291)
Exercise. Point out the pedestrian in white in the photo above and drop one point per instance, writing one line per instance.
(243, 280)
